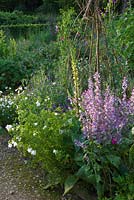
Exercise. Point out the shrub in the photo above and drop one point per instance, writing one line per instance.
(46, 134)
(120, 46)
(11, 74)
(8, 113)
(16, 17)
(20, 60)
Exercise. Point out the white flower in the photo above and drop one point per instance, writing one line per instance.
(55, 151)
(14, 143)
(56, 113)
(44, 127)
(25, 161)
(37, 103)
(18, 138)
(33, 152)
(132, 131)
(8, 127)
(54, 83)
(29, 150)
(35, 124)
(26, 98)
(19, 89)
(10, 145)
(34, 134)
(10, 102)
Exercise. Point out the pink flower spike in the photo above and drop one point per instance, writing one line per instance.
(114, 141)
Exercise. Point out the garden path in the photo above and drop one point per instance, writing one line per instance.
(17, 180)
(20, 182)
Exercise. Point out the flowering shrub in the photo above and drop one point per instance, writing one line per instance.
(45, 134)
(106, 147)
(7, 109)
(104, 115)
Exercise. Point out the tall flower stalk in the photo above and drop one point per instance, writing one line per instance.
(75, 79)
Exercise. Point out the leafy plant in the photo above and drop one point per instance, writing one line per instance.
(105, 149)
(7, 109)
(46, 134)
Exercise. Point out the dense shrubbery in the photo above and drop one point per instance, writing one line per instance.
(16, 17)
(121, 40)
(46, 132)
(20, 60)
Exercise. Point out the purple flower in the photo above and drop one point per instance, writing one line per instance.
(104, 115)
(124, 88)
(78, 143)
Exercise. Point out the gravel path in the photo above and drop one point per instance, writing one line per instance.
(17, 180)
(20, 182)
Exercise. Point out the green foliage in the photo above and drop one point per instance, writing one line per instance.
(69, 183)
(8, 113)
(68, 69)
(8, 46)
(108, 168)
(20, 60)
(115, 49)
(46, 134)
(11, 74)
(16, 17)
(120, 46)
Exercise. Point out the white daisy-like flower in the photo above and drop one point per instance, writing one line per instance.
(54, 83)
(132, 131)
(10, 102)
(10, 145)
(37, 103)
(14, 143)
(9, 127)
(29, 150)
(33, 152)
(18, 138)
(55, 151)
(44, 127)
(35, 124)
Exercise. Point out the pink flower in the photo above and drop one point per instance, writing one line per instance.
(104, 114)
(114, 141)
